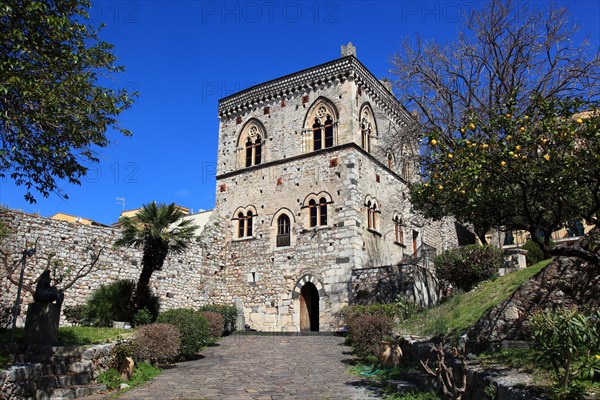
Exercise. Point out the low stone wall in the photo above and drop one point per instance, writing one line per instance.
(386, 284)
(507, 384)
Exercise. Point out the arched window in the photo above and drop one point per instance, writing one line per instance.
(328, 132)
(249, 223)
(323, 211)
(249, 151)
(406, 170)
(320, 123)
(241, 225)
(372, 214)
(257, 150)
(367, 127)
(251, 143)
(390, 160)
(283, 231)
(317, 135)
(313, 213)
(399, 233)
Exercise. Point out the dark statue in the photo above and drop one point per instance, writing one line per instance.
(44, 293)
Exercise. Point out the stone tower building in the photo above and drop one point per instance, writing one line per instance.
(311, 192)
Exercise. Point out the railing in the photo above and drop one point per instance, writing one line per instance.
(283, 240)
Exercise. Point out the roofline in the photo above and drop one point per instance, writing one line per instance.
(348, 67)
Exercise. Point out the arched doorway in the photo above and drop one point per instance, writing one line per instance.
(309, 308)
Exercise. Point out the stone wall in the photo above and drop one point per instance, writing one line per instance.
(565, 283)
(188, 280)
(387, 284)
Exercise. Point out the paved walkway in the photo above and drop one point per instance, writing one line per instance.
(262, 367)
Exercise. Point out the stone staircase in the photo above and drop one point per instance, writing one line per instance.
(47, 372)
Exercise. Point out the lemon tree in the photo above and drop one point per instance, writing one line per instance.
(535, 169)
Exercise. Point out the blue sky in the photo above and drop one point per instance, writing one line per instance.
(183, 56)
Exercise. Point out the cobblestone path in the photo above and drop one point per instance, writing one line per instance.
(263, 367)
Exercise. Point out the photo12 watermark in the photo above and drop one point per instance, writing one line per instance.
(270, 12)
(116, 12)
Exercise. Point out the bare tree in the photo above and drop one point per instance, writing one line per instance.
(64, 276)
(505, 48)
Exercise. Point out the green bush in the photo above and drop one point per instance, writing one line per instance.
(157, 343)
(142, 317)
(111, 378)
(112, 303)
(366, 333)
(120, 352)
(397, 312)
(464, 267)
(534, 253)
(192, 326)
(229, 314)
(215, 324)
(77, 315)
(569, 342)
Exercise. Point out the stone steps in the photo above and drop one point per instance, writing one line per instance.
(50, 373)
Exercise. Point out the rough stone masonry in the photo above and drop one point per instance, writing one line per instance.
(311, 186)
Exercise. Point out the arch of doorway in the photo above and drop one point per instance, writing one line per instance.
(302, 281)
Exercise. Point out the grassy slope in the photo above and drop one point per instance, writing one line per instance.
(76, 335)
(460, 312)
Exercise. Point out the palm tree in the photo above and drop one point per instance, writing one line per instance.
(159, 230)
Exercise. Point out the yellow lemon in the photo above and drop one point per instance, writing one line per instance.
(518, 148)
(440, 187)
(462, 130)
(526, 116)
(433, 142)
(503, 163)
(579, 121)
(522, 129)
(485, 145)
(508, 137)
(524, 157)
(511, 153)
(471, 126)
(515, 156)
(450, 155)
(547, 157)
(508, 115)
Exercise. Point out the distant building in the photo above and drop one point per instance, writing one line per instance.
(60, 216)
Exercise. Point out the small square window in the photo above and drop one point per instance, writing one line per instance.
(333, 162)
(377, 178)
(305, 99)
(223, 188)
(279, 181)
(267, 110)
(238, 120)
(282, 103)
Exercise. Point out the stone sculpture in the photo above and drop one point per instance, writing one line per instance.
(44, 293)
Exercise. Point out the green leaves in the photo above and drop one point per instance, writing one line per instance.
(533, 168)
(569, 341)
(55, 112)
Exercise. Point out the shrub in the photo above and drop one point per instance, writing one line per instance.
(569, 341)
(465, 267)
(120, 352)
(111, 378)
(366, 333)
(534, 253)
(192, 326)
(77, 315)
(112, 303)
(157, 343)
(215, 323)
(142, 317)
(396, 312)
(229, 314)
